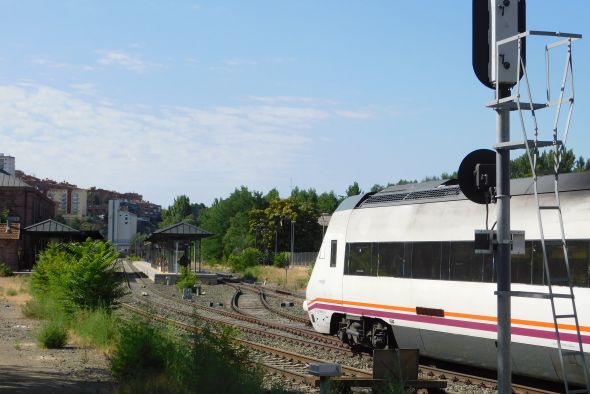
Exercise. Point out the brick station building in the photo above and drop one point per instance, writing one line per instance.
(26, 206)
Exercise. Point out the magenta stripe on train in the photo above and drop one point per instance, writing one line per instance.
(528, 332)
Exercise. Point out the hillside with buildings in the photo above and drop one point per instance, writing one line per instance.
(34, 211)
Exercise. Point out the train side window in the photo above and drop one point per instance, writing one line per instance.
(538, 274)
(556, 263)
(360, 259)
(333, 249)
(426, 260)
(578, 259)
(465, 264)
(408, 250)
(522, 266)
(445, 267)
(391, 259)
(489, 271)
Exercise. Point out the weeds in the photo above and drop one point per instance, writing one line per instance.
(142, 351)
(187, 278)
(11, 292)
(18, 345)
(52, 335)
(5, 270)
(149, 360)
(97, 328)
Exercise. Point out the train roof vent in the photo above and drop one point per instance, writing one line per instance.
(380, 199)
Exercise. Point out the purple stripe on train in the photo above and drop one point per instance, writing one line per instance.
(528, 332)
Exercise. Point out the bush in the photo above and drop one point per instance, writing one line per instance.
(92, 280)
(141, 351)
(235, 262)
(187, 278)
(53, 335)
(281, 260)
(11, 292)
(251, 257)
(78, 275)
(5, 270)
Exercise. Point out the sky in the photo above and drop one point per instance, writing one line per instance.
(166, 98)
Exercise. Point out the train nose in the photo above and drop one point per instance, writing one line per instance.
(305, 305)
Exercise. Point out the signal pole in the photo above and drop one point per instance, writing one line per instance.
(502, 251)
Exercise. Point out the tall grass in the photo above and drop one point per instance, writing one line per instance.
(98, 328)
(151, 360)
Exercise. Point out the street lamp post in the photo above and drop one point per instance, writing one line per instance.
(292, 250)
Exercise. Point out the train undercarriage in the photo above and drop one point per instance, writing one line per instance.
(363, 334)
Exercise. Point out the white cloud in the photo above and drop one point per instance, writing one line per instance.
(290, 99)
(240, 62)
(41, 61)
(123, 59)
(88, 89)
(160, 152)
(355, 114)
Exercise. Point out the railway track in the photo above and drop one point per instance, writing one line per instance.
(290, 365)
(311, 339)
(237, 319)
(262, 295)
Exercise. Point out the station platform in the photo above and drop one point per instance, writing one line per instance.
(167, 278)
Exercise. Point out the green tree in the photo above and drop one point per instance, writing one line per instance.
(217, 220)
(274, 225)
(328, 202)
(196, 210)
(377, 188)
(406, 181)
(179, 211)
(305, 196)
(237, 237)
(271, 195)
(580, 164)
(353, 189)
(545, 164)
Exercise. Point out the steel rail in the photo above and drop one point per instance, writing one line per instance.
(348, 371)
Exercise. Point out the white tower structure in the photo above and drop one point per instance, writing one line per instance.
(122, 224)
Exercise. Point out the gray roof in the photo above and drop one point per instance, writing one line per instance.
(50, 226)
(448, 190)
(179, 231)
(12, 181)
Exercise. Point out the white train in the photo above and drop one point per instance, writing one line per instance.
(398, 268)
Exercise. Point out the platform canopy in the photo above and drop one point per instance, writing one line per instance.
(53, 229)
(178, 232)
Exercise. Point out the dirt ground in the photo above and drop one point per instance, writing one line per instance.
(27, 368)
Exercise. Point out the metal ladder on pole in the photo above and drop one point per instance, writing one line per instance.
(563, 304)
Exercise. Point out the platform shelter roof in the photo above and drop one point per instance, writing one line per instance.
(179, 231)
(51, 226)
(54, 229)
